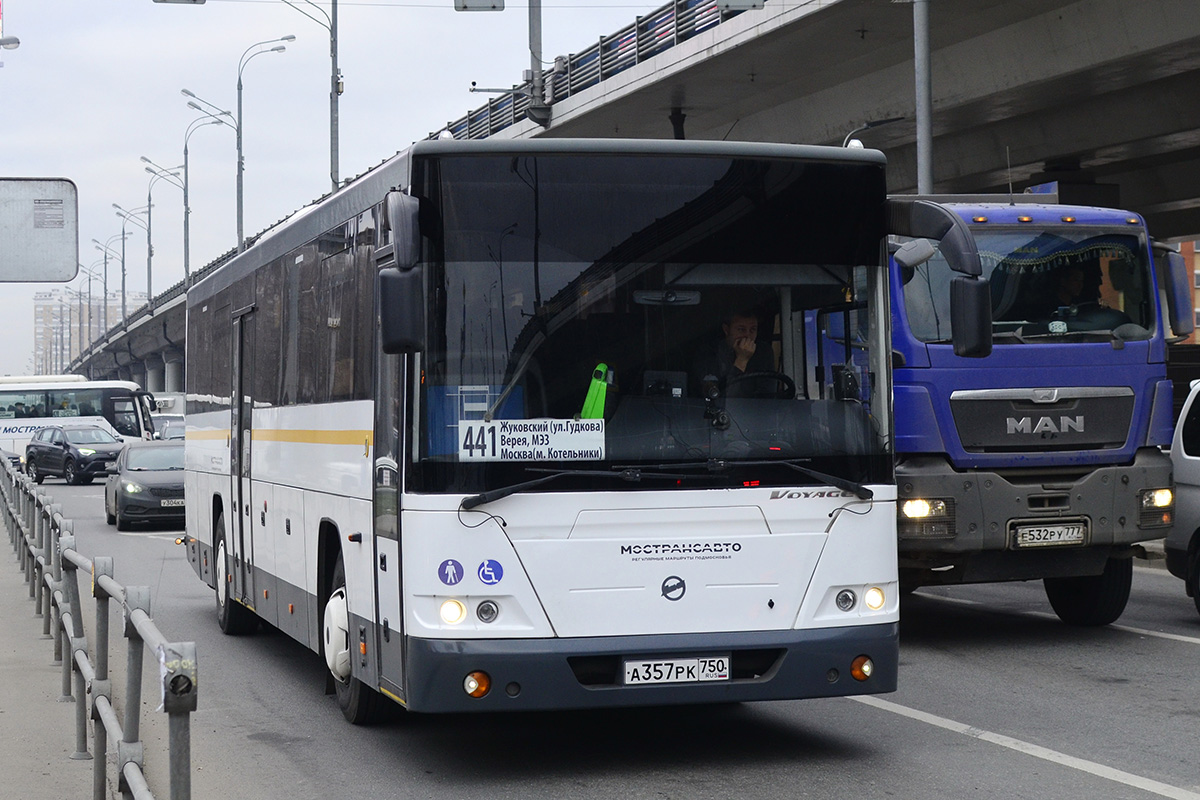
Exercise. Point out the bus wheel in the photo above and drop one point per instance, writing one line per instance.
(1092, 599)
(1194, 583)
(233, 617)
(356, 700)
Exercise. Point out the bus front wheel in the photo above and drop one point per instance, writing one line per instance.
(356, 700)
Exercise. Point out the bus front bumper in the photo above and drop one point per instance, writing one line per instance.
(544, 674)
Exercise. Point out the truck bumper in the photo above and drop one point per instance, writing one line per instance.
(976, 540)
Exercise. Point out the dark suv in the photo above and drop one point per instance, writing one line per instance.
(78, 453)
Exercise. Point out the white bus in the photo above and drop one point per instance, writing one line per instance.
(30, 403)
(445, 428)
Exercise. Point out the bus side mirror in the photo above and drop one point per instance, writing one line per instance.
(971, 316)
(401, 310)
(403, 218)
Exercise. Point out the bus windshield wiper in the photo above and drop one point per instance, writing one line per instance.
(721, 465)
(629, 474)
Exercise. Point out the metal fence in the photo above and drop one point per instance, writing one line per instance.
(646, 37)
(44, 542)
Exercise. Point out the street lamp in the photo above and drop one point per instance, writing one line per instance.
(222, 116)
(105, 248)
(171, 175)
(193, 126)
(127, 216)
(91, 273)
(246, 58)
(335, 79)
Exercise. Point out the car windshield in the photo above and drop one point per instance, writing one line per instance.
(90, 436)
(155, 458)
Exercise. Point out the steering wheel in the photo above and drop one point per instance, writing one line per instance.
(784, 387)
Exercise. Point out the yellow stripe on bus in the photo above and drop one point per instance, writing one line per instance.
(291, 436)
(311, 437)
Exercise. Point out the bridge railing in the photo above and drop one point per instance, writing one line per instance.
(649, 35)
(44, 542)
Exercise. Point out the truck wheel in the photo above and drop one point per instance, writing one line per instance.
(356, 700)
(233, 617)
(1092, 599)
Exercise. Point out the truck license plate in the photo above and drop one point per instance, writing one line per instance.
(677, 670)
(1050, 535)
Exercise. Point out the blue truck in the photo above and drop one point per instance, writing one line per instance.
(1041, 461)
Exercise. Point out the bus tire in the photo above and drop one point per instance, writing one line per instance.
(357, 701)
(1194, 583)
(233, 617)
(1092, 600)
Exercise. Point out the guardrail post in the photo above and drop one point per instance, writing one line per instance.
(130, 748)
(102, 567)
(65, 643)
(177, 660)
(55, 615)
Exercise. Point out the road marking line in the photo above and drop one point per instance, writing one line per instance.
(1174, 637)
(1046, 754)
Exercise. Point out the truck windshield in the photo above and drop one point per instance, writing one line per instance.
(610, 312)
(1048, 285)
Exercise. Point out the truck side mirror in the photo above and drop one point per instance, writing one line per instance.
(970, 302)
(1176, 280)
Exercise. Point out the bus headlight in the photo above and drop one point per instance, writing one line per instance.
(487, 611)
(453, 611)
(874, 598)
(845, 600)
(1157, 508)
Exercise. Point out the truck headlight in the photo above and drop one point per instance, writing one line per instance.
(926, 516)
(1157, 508)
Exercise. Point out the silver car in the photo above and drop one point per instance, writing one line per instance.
(147, 485)
(1183, 542)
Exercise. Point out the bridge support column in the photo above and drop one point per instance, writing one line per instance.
(173, 375)
(154, 367)
(137, 374)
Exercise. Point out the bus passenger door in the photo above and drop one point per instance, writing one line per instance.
(386, 485)
(241, 529)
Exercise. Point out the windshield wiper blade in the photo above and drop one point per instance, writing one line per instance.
(714, 465)
(630, 474)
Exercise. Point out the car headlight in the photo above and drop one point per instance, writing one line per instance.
(86, 451)
(134, 488)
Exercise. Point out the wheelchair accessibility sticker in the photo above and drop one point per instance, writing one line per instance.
(490, 572)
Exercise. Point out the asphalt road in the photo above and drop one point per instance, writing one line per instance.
(997, 699)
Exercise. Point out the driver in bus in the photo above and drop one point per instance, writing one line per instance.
(736, 353)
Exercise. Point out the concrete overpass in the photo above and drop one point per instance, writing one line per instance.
(1100, 95)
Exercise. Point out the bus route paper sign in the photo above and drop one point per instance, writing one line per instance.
(39, 230)
(532, 440)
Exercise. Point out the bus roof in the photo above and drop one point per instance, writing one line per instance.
(42, 379)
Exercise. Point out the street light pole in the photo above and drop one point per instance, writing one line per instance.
(335, 79)
(126, 217)
(172, 177)
(106, 249)
(193, 126)
(247, 56)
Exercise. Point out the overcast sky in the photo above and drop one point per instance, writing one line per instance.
(95, 85)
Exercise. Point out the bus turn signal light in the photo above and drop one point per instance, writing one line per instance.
(862, 667)
(477, 684)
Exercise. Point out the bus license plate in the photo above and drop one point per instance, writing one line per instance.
(1050, 535)
(175, 501)
(677, 670)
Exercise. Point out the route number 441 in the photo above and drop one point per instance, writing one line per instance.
(479, 441)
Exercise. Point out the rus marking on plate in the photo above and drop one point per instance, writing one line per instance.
(673, 588)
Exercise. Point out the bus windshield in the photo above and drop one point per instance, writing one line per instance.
(1048, 285)
(603, 314)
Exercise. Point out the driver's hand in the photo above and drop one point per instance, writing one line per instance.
(743, 348)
